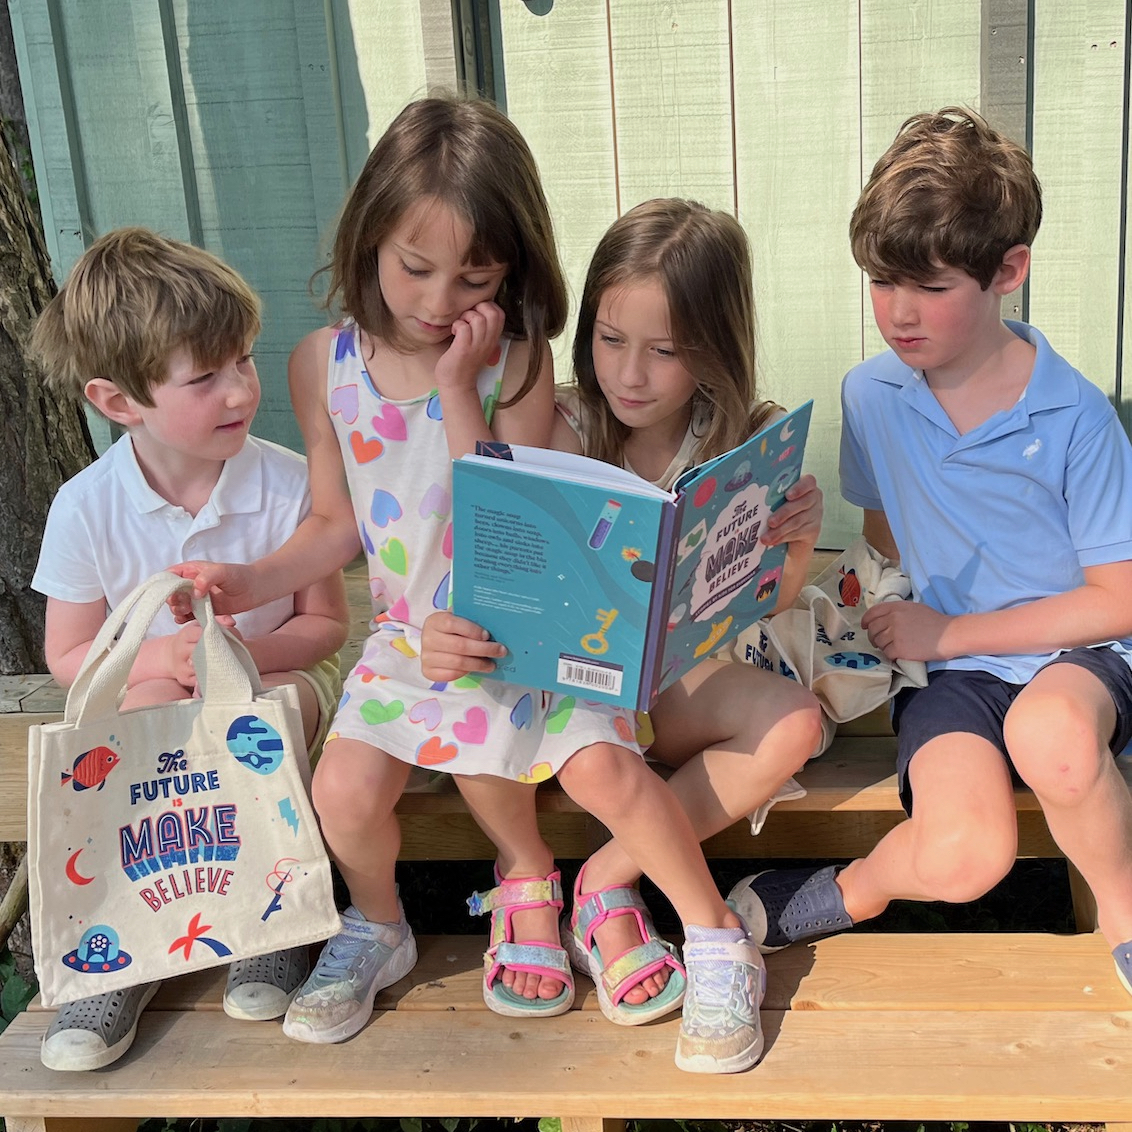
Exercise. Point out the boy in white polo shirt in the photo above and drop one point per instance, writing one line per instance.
(156, 335)
(1002, 479)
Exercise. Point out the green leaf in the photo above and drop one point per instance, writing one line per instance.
(410, 1124)
(550, 1124)
(15, 995)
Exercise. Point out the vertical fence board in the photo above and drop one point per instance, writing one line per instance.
(47, 128)
(247, 120)
(1078, 93)
(938, 43)
(780, 114)
(558, 94)
(383, 41)
(798, 157)
(672, 101)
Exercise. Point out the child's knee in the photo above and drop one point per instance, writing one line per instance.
(798, 734)
(349, 791)
(963, 864)
(1053, 742)
(308, 702)
(602, 776)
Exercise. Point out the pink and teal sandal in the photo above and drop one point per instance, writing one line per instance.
(616, 978)
(535, 958)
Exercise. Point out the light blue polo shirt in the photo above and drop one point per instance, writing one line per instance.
(1005, 514)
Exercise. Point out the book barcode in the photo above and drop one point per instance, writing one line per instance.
(579, 673)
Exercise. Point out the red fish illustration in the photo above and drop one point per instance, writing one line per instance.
(91, 768)
(849, 587)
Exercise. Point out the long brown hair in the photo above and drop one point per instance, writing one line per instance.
(702, 260)
(469, 156)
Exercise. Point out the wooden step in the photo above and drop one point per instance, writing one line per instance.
(890, 1065)
(855, 971)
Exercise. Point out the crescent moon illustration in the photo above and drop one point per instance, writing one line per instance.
(73, 874)
(787, 431)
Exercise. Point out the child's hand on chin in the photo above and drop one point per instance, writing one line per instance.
(475, 338)
(452, 647)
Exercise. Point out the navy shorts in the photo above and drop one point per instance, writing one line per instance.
(976, 702)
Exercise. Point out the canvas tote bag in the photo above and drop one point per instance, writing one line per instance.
(175, 837)
(820, 643)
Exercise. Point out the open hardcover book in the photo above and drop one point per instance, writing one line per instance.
(603, 585)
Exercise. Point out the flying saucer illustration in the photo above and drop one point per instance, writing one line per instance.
(98, 952)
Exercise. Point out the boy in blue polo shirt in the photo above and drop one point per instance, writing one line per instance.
(1002, 479)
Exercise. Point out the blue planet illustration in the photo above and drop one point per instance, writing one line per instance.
(852, 660)
(255, 744)
(99, 951)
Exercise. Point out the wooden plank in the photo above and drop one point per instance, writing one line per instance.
(881, 1065)
(855, 777)
(1079, 86)
(939, 47)
(672, 101)
(944, 971)
(379, 48)
(62, 1124)
(558, 93)
(797, 152)
(14, 689)
(851, 971)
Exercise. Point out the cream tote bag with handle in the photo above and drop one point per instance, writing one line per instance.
(175, 837)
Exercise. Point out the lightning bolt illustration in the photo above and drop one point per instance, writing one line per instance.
(287, 811)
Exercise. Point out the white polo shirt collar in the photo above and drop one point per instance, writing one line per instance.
(239, 491)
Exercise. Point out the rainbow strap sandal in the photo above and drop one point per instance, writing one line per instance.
(535, 958)
(615, 979)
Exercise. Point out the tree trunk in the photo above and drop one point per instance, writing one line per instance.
(43, 439)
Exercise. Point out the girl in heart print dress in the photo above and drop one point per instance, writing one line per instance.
(445, 269)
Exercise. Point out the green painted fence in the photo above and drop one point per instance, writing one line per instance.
(239, 124)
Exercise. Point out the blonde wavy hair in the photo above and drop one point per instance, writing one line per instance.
(131, 300)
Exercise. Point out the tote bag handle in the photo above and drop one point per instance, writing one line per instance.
(224, 667)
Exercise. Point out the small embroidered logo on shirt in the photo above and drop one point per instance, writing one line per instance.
(1032, 449)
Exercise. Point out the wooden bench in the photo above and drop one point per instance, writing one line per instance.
(871, 1026)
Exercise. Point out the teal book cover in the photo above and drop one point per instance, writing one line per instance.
(604, 586)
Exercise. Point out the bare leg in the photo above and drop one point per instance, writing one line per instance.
(962, 837)
(736, 734)
(1057, 732)
(505, 811)
(164, 691)
(616, 786)
(354, 790)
